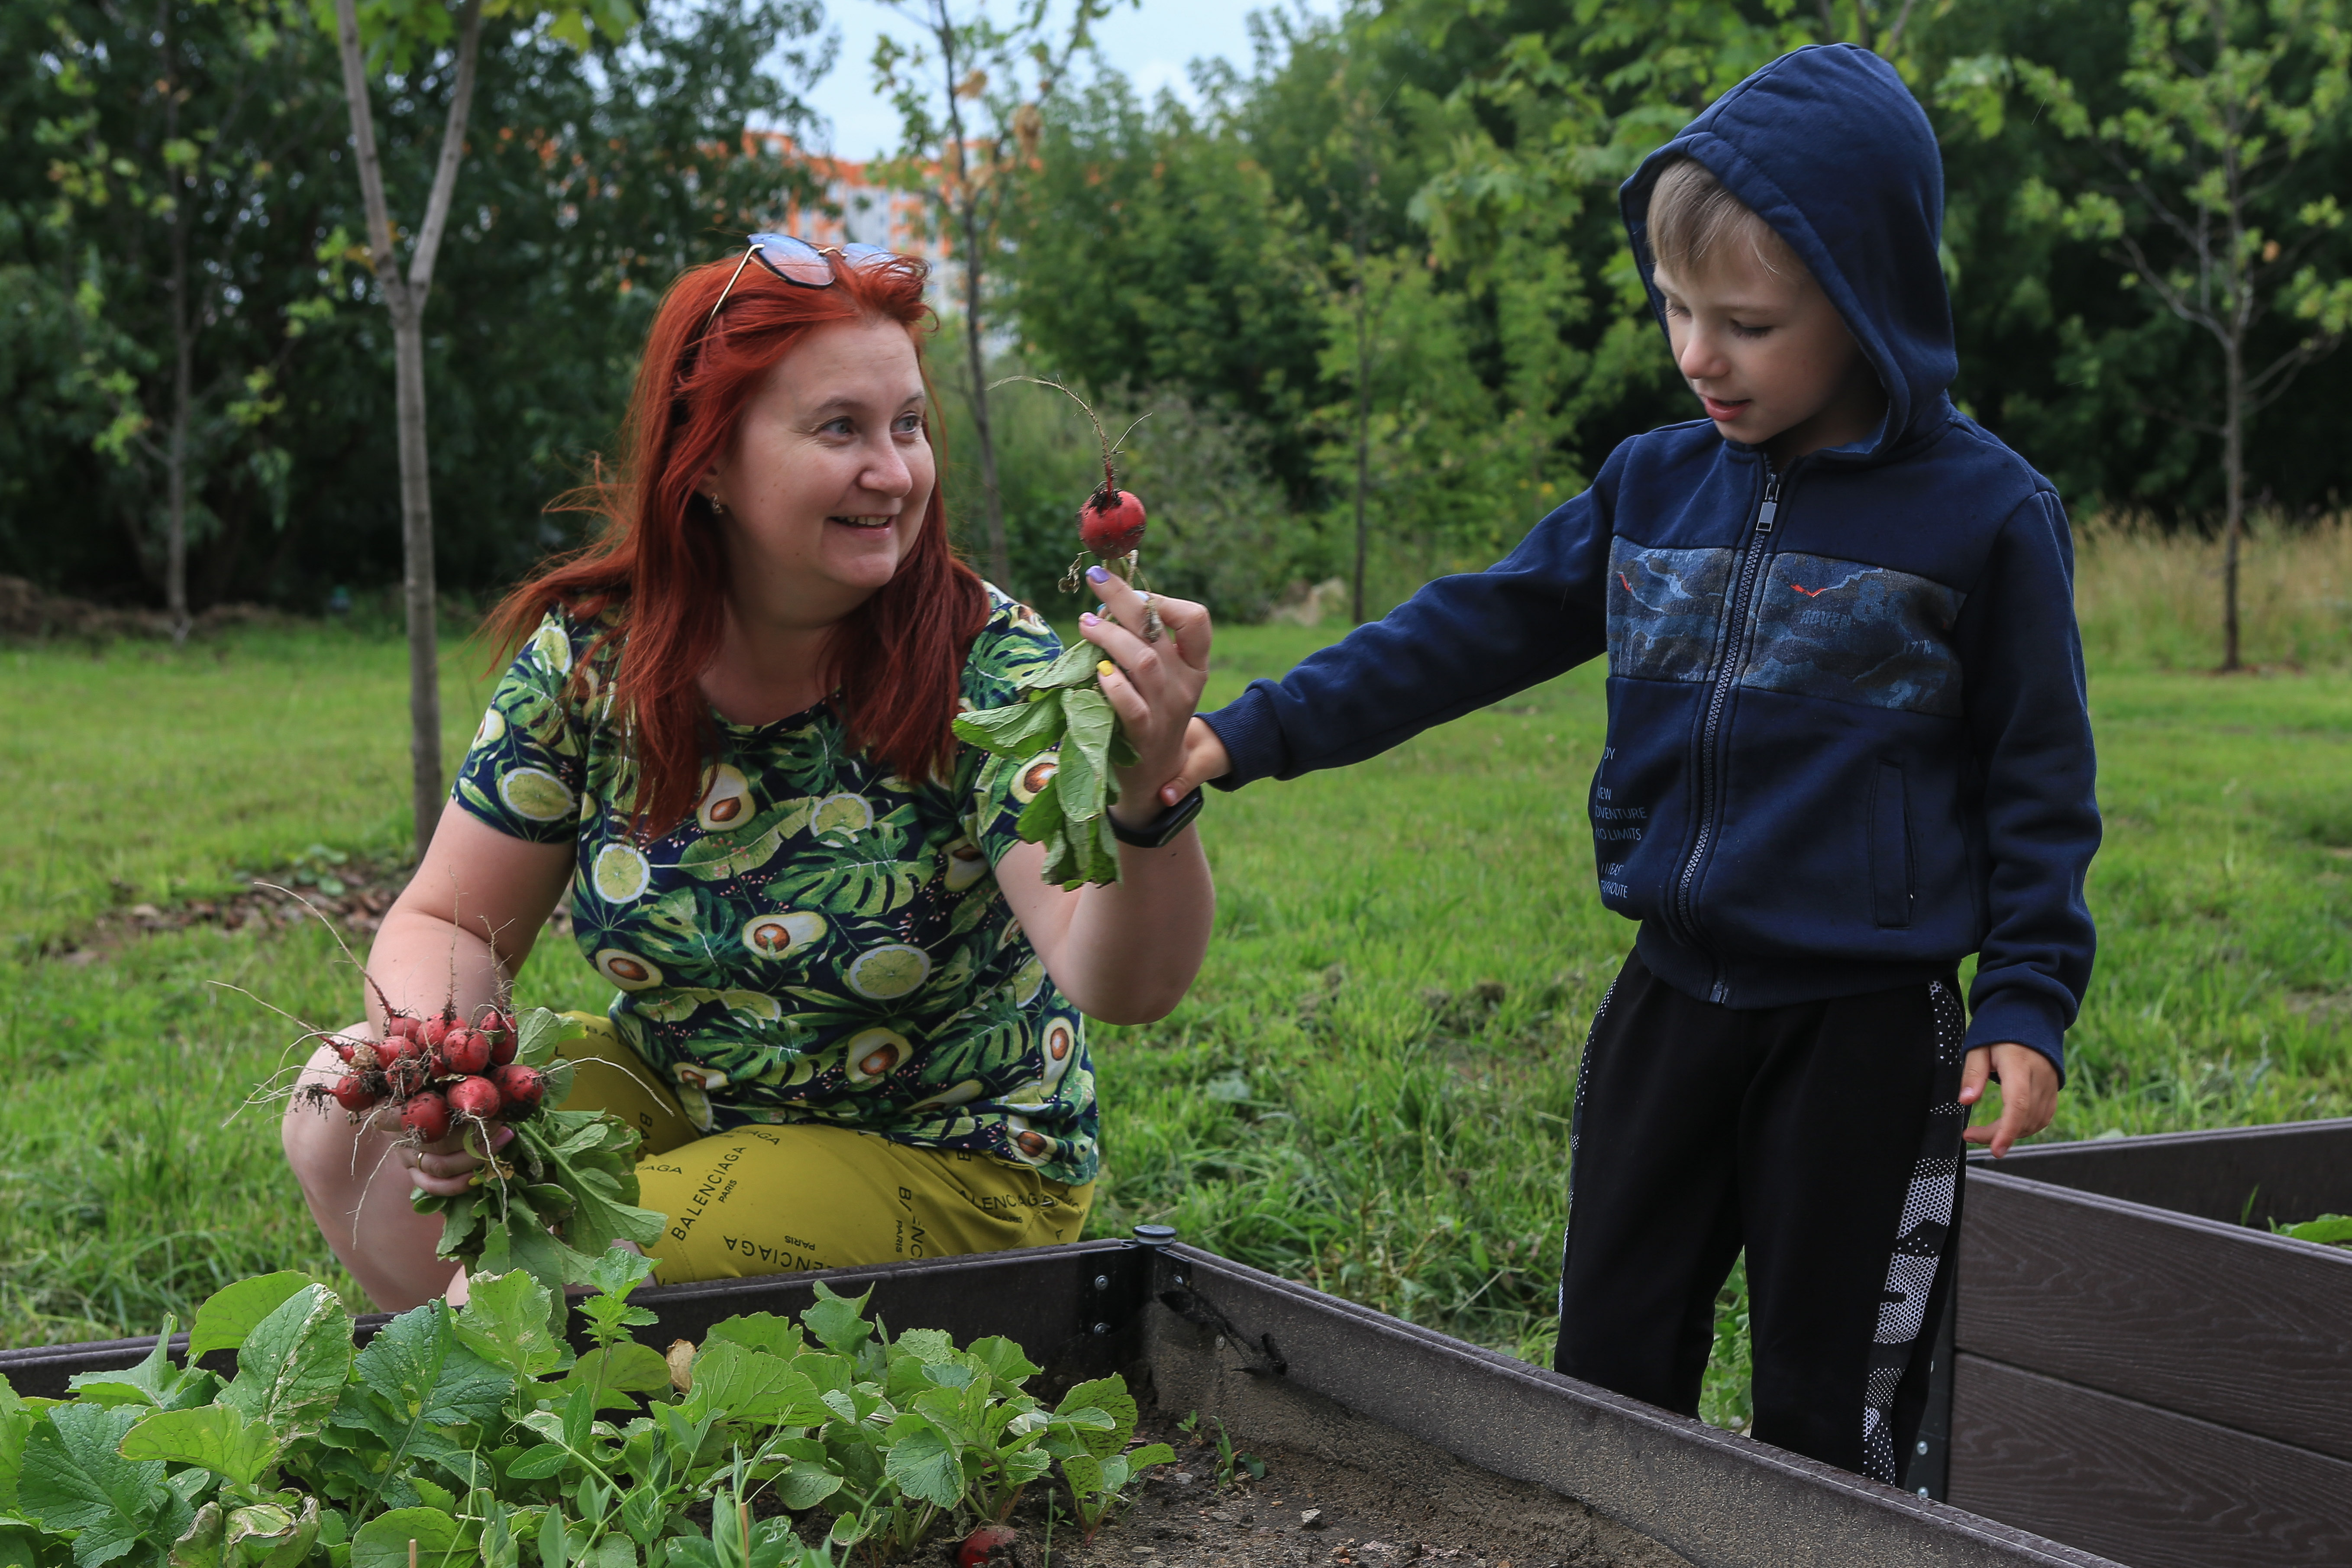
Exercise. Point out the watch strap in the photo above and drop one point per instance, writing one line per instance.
(1157, 833)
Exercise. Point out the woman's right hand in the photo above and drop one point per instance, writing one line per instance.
(445, 1166)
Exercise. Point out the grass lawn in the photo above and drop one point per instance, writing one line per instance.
(1369, 1088)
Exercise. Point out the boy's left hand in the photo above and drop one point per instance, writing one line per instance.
(2029, 1093)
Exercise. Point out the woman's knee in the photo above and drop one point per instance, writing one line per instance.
(313, 1133)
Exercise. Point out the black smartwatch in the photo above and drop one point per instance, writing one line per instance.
(1156, 833)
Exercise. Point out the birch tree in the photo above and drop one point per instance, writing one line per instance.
(396, 35)
(970, 94)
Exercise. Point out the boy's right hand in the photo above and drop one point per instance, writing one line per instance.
(2029, 1093)
(1204, 759)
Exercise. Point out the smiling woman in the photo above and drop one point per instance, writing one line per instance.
(848, 1018)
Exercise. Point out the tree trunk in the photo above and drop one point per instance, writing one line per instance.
(175, 456)
(405, 299)
(2234, 479)
(176, 459)
(967, 211)
(1363, 431)
(418, 586)
(1000, 557)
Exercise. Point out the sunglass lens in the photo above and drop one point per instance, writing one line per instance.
(794, 259)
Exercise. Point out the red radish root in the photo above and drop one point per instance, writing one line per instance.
(522, 1088)
(476, 1099)
(427, 1115)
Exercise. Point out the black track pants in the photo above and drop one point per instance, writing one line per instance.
(1825, 1138)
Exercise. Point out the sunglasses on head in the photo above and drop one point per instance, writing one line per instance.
(796, 261)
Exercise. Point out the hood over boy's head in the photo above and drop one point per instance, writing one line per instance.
(1829, 149)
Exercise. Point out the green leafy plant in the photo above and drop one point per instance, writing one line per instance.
(1231, 1461)
(1062, 710)
(476, 1433)
(2328, 1230)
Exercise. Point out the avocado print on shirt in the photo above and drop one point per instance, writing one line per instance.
(820, 940)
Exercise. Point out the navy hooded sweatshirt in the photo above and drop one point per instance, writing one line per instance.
(1848, 744)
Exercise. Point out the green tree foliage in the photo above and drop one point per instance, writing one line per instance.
(968, 93)
(174, 171)
(2193, 191)
(1213, 250)
(593, 179)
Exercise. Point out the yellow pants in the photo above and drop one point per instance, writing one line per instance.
(770, 1200)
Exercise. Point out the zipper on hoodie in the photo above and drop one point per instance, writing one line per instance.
(1739, 617)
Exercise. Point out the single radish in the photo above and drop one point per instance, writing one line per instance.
(353, 1093)
(427, 1115)
(464, 1051)
(522, 1087)
(400, 1026)
(394, 1048)
(433, 1031)
(476, 1099)
(1111, 522)
(986, 1544)
(500, 1031)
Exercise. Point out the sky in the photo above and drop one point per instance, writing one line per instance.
(1150, 43)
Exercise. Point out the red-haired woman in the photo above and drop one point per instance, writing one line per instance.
(848, 1018)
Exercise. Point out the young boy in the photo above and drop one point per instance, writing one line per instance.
(1847, 747)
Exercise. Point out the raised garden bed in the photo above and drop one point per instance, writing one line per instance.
(2143, 1369)
(1440, 1427)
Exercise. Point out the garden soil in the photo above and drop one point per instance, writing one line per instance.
(1312, 1512)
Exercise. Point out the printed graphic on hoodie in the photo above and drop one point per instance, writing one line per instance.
(1841, 630)
(1665, 609)
(1854, 632)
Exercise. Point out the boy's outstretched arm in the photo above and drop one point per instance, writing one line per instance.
(1461, 642)
(2030, 718)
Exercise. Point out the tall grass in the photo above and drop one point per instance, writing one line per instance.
(2151, 599)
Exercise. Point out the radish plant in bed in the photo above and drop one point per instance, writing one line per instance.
(477, 1435)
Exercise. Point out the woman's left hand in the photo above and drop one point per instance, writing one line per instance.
(1153, 686)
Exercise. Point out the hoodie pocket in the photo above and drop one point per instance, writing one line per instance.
(1890, 850)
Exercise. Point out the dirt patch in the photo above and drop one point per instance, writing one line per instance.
(1311, 1512)
(352, 894)
(30, 614)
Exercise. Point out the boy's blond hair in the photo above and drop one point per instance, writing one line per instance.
(1693, 222)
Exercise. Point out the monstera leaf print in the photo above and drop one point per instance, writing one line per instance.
(761, 840)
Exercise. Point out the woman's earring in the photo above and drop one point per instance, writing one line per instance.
(717, 507)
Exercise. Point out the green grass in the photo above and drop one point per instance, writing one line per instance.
(1369, 1088)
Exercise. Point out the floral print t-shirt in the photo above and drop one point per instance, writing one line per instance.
(823, 941)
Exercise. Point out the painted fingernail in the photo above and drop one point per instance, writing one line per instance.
(1089, 619)
(1097, 573)
(504, 1136)
(1106, 667)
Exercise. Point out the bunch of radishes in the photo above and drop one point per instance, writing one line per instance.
(441, 1072)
